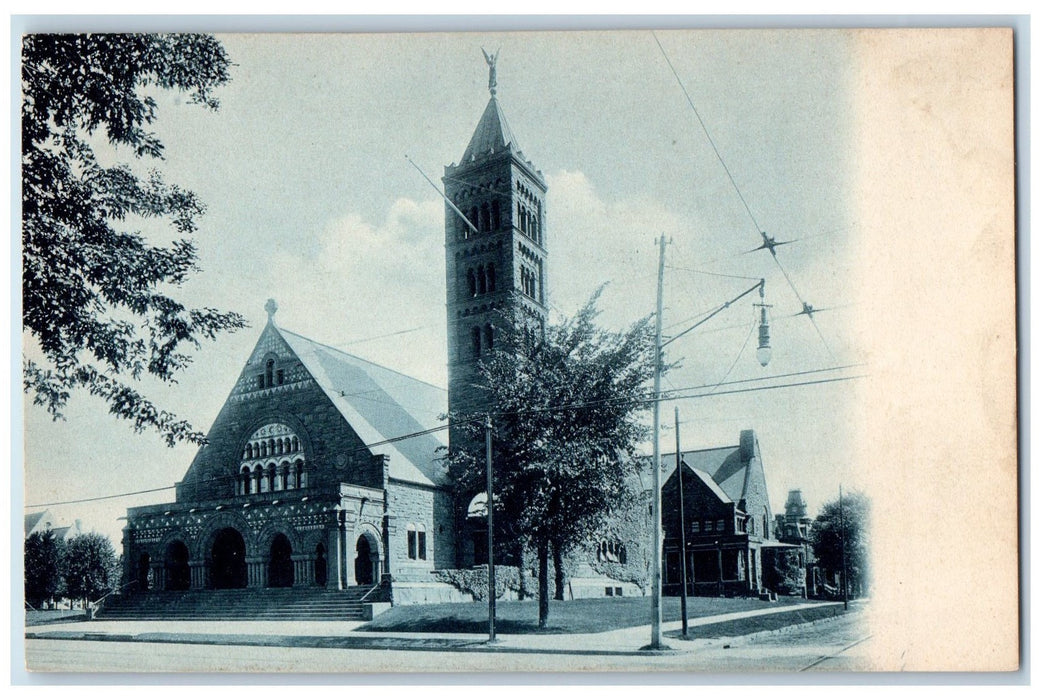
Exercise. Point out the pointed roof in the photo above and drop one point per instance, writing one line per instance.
(33, 519)
(492, 134)
(726, 467)
(380, 404)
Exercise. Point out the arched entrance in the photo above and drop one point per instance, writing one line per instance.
(178, 573)
(366, 564)
(321, 571)
(143, 565)
(280, 566)
(228, 560)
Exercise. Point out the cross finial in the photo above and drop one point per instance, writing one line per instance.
(271, 307)
(490, 59)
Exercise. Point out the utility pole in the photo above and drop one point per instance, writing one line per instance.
(842, 533)
(491, 523)
(683, 525)
(656, 541)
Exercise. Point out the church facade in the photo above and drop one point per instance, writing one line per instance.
(306, 479)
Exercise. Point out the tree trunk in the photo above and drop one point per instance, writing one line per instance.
(543, 548)
(522, 575)
(558, 571)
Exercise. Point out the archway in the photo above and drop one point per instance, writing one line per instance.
(143, 565)
(228, 560)
(321, 571)
(280, 567)
(367, 562)
(178, 573)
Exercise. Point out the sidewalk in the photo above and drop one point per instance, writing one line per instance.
(345, 635)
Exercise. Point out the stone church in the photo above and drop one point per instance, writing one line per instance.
(308, 478)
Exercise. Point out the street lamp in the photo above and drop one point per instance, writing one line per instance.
(762, 354)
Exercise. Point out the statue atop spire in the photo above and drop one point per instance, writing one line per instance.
(490, 60)
(271, 307)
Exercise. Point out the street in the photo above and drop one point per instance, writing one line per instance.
(834, 645)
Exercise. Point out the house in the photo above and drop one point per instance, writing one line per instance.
(726, 517)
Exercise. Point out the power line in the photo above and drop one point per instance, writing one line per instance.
(707, 134)
(644, 398)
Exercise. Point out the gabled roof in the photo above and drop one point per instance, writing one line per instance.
(33, 519)
(380, 404)
(492, 134)
(725, 467)
(711, 484)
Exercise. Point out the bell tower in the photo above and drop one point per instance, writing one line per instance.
(495, 248)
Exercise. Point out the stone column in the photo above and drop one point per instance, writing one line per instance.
(158, 582)
(300, 571)
(255, 570)
(338, 534)
(198, 570)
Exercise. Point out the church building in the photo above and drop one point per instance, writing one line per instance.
(318, 470)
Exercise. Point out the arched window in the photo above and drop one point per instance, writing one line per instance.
(476, 338)
(489, 338)
(471, 282)
(496, 216)
(269, 372)
(411, 537)
(301, 475)
(296, 444)
(249, 451)
(269, 477)
(244, 482)
(490, 272)
(263, 449)
(473, 218)
(486, 221)
(482, 283)
(258, 479)
(270, 441)
(283, 476)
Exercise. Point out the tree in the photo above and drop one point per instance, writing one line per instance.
(828, 532)
(43, 567)
(565, 423)
(95, 292)
(91, 567)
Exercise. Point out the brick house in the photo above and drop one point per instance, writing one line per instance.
(727, 516)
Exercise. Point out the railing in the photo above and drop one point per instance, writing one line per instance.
(93, 607)
(368, 593)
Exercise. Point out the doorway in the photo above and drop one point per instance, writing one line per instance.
(228, 559)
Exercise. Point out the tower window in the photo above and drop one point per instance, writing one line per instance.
(476, 335)
(482, 281)
(486, 222)
(489, 339)
(496, 216)
(490, 272)
(471, 282)
(269, 370)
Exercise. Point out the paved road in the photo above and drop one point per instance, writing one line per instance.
(830, 645)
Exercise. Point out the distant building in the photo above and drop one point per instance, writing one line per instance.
(794, 528)
(727, 520)
(43, 520)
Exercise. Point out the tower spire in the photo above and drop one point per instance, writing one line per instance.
(490, 59)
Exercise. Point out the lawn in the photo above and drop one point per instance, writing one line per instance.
(565, 617)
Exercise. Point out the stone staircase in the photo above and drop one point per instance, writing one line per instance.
(316, 604)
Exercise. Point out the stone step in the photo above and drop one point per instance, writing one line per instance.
(239, 604)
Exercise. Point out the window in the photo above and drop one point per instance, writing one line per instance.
(471, 282)
(720, 526)
(496, 216)
(412, 541)
(476, 338)
(489, 338)
(490, 272)
(280, 377)
(421, 544)
(696, 526)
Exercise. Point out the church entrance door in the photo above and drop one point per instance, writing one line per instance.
(280, 568)
(178, 573)
(365, 562)
(228, 568)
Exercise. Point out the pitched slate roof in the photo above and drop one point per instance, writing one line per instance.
(33, 519)
(724, 467)
(380, 404)
(492, 134)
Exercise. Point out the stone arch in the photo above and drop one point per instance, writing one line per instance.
(367, 556)
(219, 521)
(178, 573)
(280, 562)
(228, 559)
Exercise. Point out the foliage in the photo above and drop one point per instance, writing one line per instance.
(784, 574)
(95, 291)
(43, 567)
(630, 524)
(475, 581)
(565, 422)
(827, 536)
(91, 567)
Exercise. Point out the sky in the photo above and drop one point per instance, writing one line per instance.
(311, 201)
